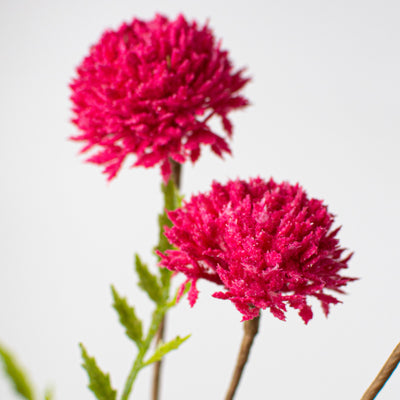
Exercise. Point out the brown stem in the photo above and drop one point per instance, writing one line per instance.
(176, 178)
(383, 375)
(250, 331)
(157, 366)
(176, 173)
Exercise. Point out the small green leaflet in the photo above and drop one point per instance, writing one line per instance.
(128, 318)
(147, 281)
(99, 382)
(48, 394)
(165, 348)
(16, 374)
(185, 290)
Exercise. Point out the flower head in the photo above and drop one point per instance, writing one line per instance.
(150, 89)
(267, 244)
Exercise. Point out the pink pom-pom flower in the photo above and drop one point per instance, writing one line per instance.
(150, 89)
(267, 244)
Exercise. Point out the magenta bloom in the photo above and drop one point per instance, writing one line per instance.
(150, 89)
(267, 244)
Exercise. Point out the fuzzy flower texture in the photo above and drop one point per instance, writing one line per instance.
(150, 89)
(267, 244)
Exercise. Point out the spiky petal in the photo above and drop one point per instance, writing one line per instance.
(267, 244)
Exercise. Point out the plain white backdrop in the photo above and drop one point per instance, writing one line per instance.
(325, 101)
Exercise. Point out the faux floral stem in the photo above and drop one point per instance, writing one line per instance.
(138, 364)
(250, 331)
(158, 364)
(383, 375)
(176, 178)
(176, 173)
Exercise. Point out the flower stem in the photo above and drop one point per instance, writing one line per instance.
(176, 173)
(383, 375)
(155, 393)
(138, 364)
(250, 331)
(158, 364)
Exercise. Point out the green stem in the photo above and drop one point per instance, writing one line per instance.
(157, 322)
(155, 390)
(158, 315)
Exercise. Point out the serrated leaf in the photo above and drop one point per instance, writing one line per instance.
(99, 382)
(128, 318)
(165, 348)
(16, 374)
(148, 282)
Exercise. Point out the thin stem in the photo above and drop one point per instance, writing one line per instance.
(383, 375)
(157, 366)
(176, 173)
(138, 364)
(250, 331)
(155, 393)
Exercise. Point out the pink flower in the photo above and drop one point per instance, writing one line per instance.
(150, 89)
(267, 244)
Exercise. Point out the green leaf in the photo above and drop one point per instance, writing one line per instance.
(165, 348)
(185, 291)
(147, 281)
(128, 318)
(16, 374)
(48, 395)
(99, 382)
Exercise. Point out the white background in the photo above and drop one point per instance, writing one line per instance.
(325, 99)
